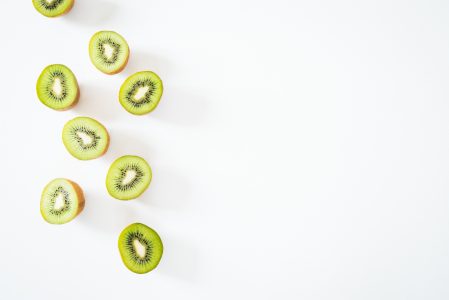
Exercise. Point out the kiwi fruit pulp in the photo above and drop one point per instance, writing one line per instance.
(85, 138)
(53, 8)
(141, 92)
(108, 51)
(57, 87)
(62, 200)
(140, 247)
(128, 177)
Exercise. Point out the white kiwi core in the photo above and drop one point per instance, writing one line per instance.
(108, 50)
(140, 94)
(57, 87)
(129, 177)
(140, 249)
(59, 202)
(87, 139)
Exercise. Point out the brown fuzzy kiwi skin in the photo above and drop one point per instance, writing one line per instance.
(123, 67)
(80, 196)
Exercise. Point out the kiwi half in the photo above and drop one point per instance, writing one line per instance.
(141, 92)
(128, 177)
(85, 138)
(53, 8)
(57, 87)
(140, 247)
(108, 51)
(62, 200)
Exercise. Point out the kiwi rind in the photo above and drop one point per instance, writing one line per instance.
(118, 170)
(70, 83)
(152, 96)
(94, 127)
(96, 56)
(64, 7)
(153, 244)
(77, 196)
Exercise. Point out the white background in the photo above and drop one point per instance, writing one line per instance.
(300, 150)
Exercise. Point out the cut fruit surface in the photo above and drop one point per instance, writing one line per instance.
(61, 201)
(53, 8)
(128, 177)
(108, 51)
(140, 248)
(85, 138)
(57, 87)
(141, 92)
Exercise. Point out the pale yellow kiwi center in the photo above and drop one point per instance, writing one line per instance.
(129, 177)
(87, 139)
(57, 87)
(59, 202)
(49, 1)
(108, 50)
(140, 249)
(140, 94)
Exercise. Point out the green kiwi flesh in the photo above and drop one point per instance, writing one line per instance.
(108, 51)
(140, 247)
(141, 92)
(62, 200)
(128, 177)
(57, 87)
(85, 138)
(53, 8)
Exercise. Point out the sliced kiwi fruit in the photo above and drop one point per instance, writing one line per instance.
(140, 247)
(62, 200)
(108, 51)
(53, 8)
(57, 87)
(128, 177)
(85, 138)
(141, 92)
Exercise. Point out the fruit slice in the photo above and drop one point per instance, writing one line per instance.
(53, 8)
(128, 177)
(62, 200)
(140, 248)
(141, 92)
(57, 87)
(85, 138)
(108, 51)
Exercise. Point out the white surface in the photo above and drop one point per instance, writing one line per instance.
(300, 151)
